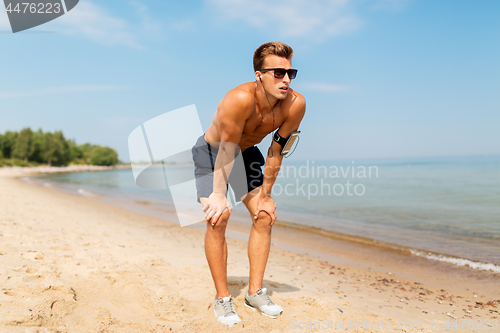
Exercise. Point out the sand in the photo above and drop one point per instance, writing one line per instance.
(72, 264)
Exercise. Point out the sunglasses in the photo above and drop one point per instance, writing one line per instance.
(279, 73)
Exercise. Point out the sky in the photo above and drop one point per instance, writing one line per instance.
(381, 78)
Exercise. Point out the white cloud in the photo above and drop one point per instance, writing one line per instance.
(324, 87)
(91, 21)
(314, 19)
(59, 90)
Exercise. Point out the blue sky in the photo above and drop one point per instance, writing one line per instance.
(382, 78)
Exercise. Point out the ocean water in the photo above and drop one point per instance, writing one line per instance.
(442, 208)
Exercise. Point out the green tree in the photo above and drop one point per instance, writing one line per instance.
(86, 149)
(103, 156)
(49, 148)
(75, 151)
(64, 153)
(38, 139)
(9, 140)
(23, 147)
(55, 149)
(1, 146)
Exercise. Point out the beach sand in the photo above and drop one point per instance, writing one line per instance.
(72, 264)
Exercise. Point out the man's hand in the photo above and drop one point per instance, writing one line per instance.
(266, 204)
(215, 206)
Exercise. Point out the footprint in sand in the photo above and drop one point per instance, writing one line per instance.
(33, 255)
(36, 302)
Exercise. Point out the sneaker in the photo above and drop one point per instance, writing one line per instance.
(261, 302)
(224, 311)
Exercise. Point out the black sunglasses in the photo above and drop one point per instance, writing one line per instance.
(279, 73)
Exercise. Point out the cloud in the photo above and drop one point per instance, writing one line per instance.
(91, 21)
(325, 87)
(314, 19)
(59, 90)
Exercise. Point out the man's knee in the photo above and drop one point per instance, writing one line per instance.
(221, 222)
(263, 219)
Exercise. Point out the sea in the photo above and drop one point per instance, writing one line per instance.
(440, 208)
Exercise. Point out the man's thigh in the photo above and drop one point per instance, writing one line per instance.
(251, 200)
(246, 175)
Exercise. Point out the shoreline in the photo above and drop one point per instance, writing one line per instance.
(445, 258)
(332, 246)
(352, 240)
(75, 264)
(69, 168)
(355, 251)
(405, 250)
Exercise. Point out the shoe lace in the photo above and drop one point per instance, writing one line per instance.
(265, 296)
(227, 306)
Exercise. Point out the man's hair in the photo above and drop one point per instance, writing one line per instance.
(276, 48)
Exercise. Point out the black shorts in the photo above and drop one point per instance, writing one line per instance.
(204, 157)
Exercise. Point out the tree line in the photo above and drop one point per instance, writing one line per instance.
(27, 148)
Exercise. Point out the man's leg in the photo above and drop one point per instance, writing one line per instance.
(216, 252)
(259, 242)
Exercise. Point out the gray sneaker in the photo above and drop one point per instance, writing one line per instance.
(261, 302)
(224, 311)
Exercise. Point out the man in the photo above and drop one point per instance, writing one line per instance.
(245, 116)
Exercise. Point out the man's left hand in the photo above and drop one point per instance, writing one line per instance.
(266, 204)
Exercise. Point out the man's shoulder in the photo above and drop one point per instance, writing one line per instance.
(244, 93)
(296, 101)
(296, 97)
(239, 100)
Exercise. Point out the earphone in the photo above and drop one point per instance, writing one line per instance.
(272, 109)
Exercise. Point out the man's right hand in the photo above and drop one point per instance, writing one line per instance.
(216, 205)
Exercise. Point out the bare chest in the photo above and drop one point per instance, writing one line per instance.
(258, 126)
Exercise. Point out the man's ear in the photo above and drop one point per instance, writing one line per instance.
(258, 74)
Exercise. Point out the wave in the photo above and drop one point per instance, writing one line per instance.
(461, 262)
(458, 261)
(85, 193)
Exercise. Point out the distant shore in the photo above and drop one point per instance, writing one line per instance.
(69, 168)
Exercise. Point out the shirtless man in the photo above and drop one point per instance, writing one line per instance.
(245, 116)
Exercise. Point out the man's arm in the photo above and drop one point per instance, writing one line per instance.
(232, 114)
(274, 158)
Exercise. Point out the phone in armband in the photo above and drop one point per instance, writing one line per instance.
(286, 143)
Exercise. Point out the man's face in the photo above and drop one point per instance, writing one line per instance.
(276, 87)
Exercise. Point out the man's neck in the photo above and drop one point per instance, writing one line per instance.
(265, 101)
